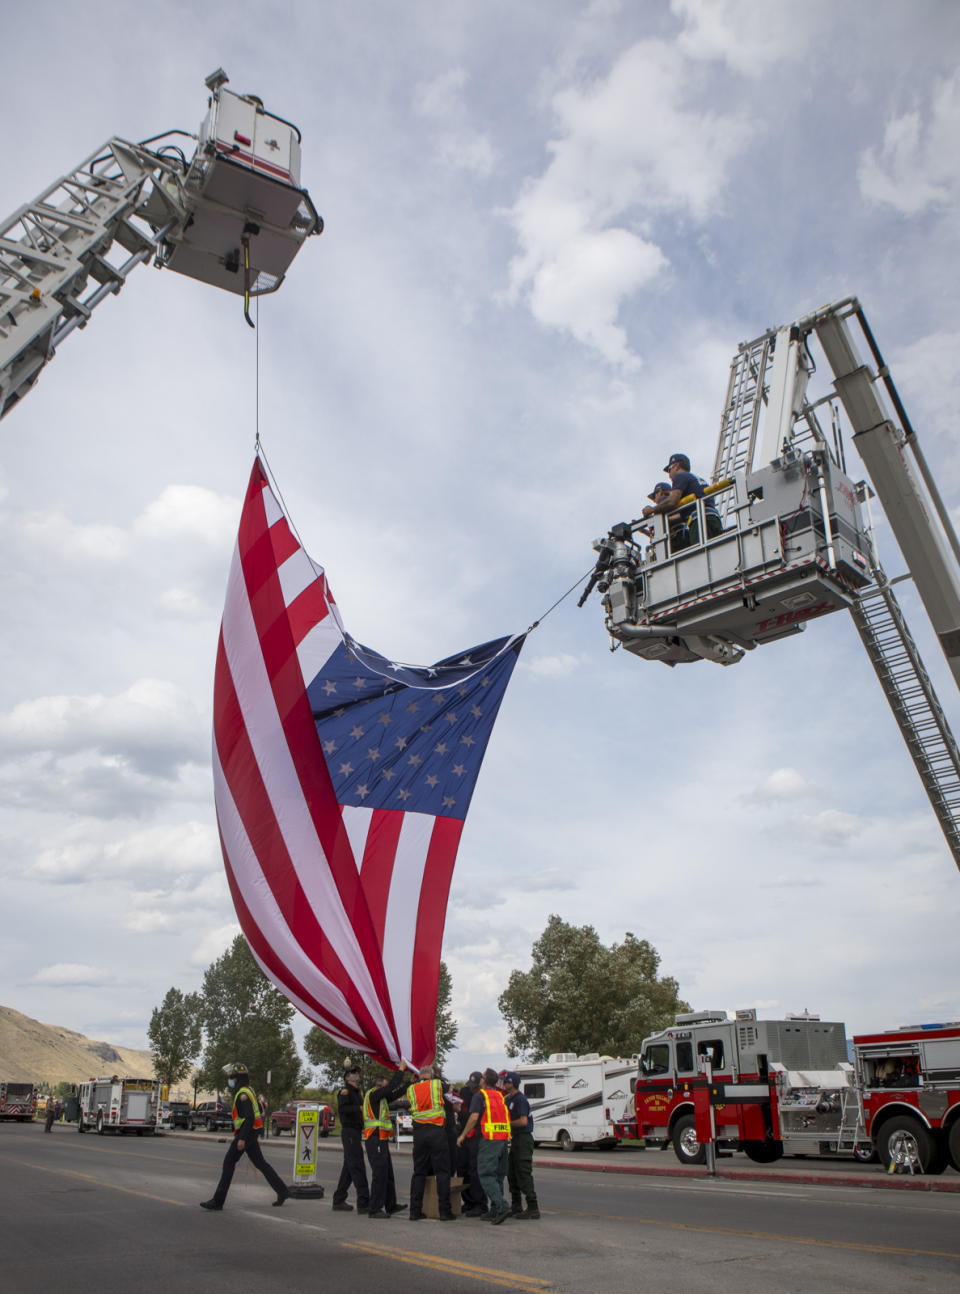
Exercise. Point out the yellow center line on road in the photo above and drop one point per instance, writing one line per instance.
(453, 1267)
(86, 1177)
(766, 1235)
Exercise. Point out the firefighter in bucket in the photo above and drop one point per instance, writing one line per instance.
(247, 1126)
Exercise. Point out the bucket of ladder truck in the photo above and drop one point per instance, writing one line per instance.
(793, 548)
(243, 196)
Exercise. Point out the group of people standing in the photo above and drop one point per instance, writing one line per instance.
(484, 1133)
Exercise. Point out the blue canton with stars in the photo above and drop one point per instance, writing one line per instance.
(409, 737)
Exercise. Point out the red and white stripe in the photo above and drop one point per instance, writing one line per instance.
(343, 909)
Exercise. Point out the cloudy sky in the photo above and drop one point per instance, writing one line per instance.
(547, 230)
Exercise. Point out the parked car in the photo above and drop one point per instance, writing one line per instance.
(212, 1115)
(175, 1114)
(285, 1119)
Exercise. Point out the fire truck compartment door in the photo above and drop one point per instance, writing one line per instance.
(137, 1105)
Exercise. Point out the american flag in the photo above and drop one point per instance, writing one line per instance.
(342, 780)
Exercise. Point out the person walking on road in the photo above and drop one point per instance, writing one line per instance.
(247, 1124)
(520, 1160)
(377, 1127)
(350, 1114)
(488, 1109)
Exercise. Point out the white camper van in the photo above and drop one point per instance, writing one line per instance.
(577, 1100)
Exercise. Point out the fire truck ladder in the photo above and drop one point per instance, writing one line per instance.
(52, 247)
(914, 703)
(741, 413)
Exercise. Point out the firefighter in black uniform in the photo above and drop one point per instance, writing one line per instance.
(377, 1129)
(247, 1123)
(350, 1113)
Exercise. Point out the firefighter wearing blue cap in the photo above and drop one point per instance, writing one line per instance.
(520, 1161)
(683, 483)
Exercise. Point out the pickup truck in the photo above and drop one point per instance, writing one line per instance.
(285, 1119)
(211, 1115)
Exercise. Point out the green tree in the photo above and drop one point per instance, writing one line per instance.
(247, 1020)
(581, 996)
(175, 1038)
(331, 1058)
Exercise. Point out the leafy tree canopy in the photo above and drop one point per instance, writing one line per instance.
(175, 1035)
(581, 996)
(331, 1058)
(247, 1020)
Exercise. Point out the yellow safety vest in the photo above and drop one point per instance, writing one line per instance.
(257, 1116)
(495, 1122)
(426, 1101)
(371, 1123)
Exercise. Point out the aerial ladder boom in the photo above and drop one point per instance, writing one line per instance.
(232, 215)
(797, 542)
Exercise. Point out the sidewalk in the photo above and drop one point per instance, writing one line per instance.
(657, 1163)
(812, 1171)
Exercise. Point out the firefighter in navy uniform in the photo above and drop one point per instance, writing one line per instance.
(247, 1124)
(377, 1129)
(350, 1113)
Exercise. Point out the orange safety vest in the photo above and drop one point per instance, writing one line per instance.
(426, 1101)
(371, 1122)
(257, 1116)
(495, 1121)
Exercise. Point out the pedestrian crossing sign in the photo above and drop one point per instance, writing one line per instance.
(305, 1144)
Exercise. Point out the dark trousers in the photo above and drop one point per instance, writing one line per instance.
(492, 1166)
(255, 1155)
(520, 1170)
(383, 1189)
(473, 1196)
(431, 1154)
(353, 1169)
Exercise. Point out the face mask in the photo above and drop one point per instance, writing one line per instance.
(231, 1082)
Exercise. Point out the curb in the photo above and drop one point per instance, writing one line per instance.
(882, 1181)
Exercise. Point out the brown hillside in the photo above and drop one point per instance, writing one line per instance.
(47, 1053)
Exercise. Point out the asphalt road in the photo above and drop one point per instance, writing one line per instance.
(101, 1214)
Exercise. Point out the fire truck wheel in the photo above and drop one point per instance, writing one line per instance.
(686, 1147)
(954, 1144)
(864, 1153)
(904, 1141)
(80, 1125)
(763, 1152)
(100, 1129)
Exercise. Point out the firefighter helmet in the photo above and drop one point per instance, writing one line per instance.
(236, 1070)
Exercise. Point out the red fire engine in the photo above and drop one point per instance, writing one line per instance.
(909, 1082)
(774, 1087)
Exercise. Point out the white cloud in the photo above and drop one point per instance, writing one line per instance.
(150, 720)
(918, 165)
(784, 784)
(749, 40)
(214, 944)
(73, 543)
(441, 100)
(631, 146)
(167, 850)
(194, 513)
(833, 827)
(70, 975)
(561, 665)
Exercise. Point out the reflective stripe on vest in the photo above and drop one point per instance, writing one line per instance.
(370, 1124)
(495, 1122)
(426, 1101)
(257, 1117)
